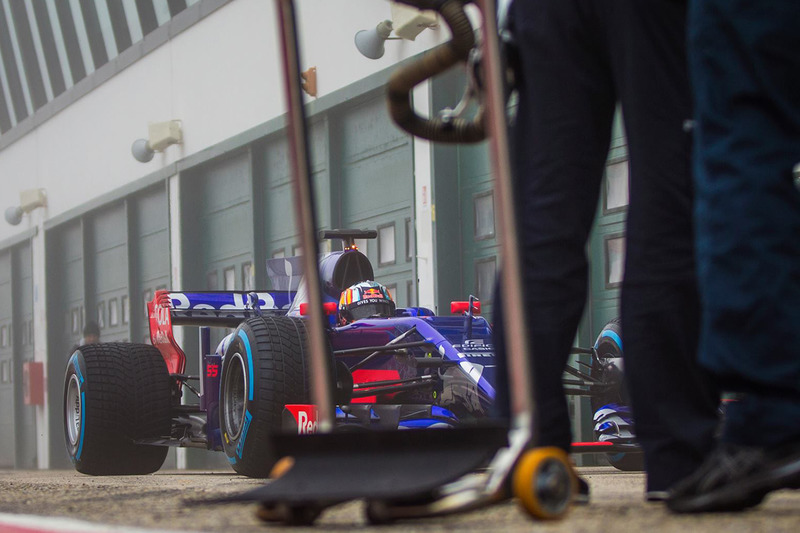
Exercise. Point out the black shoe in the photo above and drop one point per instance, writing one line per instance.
(734, 478)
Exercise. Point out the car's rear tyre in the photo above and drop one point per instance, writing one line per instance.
(114, 395)
(262, 371)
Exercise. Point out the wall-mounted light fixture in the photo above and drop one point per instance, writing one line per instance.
(159, 136)
(371, 42)
(407, 22)
(29, 200)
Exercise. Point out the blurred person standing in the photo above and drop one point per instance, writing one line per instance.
(91, 335)
(577, 60)
(745, 71)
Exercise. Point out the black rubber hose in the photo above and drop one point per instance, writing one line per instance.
(433, 62)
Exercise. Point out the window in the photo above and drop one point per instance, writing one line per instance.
(113, 312)
(3, 336)
(483, 205)
(126, 309)
(297, 250)
(146, 297)
(230, 279)
(248, 277)
(361, 244)
(76, 320)
(279, 253)
(211, 281)
(616, 186)
(5, 371)
(411, 294)
(615, 260)
(409, 240)
(485, 271)
(386, 245)
(101, 315)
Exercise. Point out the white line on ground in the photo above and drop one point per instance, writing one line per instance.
(16, 523)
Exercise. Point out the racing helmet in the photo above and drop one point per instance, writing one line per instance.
(363, 300)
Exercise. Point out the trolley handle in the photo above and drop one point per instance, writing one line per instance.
(445, 129)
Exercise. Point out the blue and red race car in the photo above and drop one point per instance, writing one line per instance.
(124, 406)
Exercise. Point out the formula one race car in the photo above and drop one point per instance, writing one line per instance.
(603, 383)
(394, 369)
(404, 368)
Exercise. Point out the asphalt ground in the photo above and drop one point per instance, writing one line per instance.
(158, 502)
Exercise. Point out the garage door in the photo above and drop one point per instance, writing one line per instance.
(25, 425)
(467, 247)
(150, 252)
(65, 317)
(278, 217)
(17, 420)
(7, 440)
(217, 226)
(277, 231)
(377, 190)
(607, 242)
(107, 271)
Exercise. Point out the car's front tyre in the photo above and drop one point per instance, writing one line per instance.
(262, 371)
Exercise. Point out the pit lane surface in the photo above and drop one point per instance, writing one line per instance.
(157, 502)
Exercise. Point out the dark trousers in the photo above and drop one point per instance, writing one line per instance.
(745, 65)
(578, 58)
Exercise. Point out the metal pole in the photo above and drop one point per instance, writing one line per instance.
(517, 345)
(321, 374)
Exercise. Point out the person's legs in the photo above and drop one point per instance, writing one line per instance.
(560, 141)
(746, 71)
(674, 403)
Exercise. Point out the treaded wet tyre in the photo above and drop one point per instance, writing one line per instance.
(114, 395)
(263, 370)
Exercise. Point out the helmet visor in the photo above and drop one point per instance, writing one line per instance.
(371, 308)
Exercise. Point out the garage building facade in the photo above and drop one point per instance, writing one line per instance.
(83, 80)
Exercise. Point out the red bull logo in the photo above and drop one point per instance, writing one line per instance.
(304, 417)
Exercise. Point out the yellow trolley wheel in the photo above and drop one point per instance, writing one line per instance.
(544, 483)
(282, 465)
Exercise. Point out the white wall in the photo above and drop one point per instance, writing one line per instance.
(220, 78)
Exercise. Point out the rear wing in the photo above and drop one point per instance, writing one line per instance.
(217, 309)
(223, 309)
